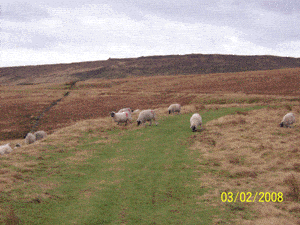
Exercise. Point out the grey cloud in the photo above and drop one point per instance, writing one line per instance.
(134, 28)
(22, 11)
(241, 14)
(281, 6)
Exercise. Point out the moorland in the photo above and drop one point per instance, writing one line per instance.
(152, 175)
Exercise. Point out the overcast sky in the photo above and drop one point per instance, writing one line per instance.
(47, 32)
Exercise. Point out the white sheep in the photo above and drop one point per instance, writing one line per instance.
(146, 115)
(195, 121)
(174, 108)
(129, 111)
(40, 135)
(30, 138)
(126, 110)
(288, 120)
(122, 117)
(5, 149)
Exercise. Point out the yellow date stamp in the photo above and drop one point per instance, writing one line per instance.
(252, 197)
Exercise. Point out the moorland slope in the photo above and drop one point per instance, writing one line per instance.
(143, 66)
(21, 105)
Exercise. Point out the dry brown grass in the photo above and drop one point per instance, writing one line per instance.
(252, 153)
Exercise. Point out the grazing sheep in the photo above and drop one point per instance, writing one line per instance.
(288, 120)
(122, 117)
(30, 138)
(146, 115)
(174, 108)
(5, 149)
(128, 110)
(40, 135)
(195, 121)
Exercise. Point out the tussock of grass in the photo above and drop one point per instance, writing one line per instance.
(294, 186)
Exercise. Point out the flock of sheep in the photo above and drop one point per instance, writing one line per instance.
(29, 139)
(124, 116)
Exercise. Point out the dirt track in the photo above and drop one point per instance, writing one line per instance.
(20, 105)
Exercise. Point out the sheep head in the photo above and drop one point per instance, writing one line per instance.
(193, 128)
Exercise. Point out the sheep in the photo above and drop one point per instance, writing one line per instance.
(122, 117)
(288, 120)
(40, 135)
(5, 149)
(195, 121)
(146, 115)
(174, 108)
(126, 110)
(30, 138)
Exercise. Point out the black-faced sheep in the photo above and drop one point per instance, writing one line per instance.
(195, 121)
(146, 115)
(288, 120)
(122, 117)
(174, 108)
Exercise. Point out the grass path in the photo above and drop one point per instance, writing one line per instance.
(146, 177)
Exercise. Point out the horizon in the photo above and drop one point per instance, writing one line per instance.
(110, 58)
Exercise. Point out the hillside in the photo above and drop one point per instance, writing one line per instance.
(143, 66)
(164, 174)
(22, 105)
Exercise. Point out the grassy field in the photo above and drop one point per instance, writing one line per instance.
(144, 176)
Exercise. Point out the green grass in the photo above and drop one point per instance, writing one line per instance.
(147, 177)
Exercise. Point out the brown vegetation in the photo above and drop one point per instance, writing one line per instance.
(143, 66)
(246, 151)
(253, 154)
(22, 105)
